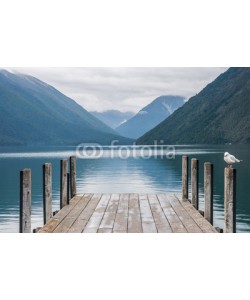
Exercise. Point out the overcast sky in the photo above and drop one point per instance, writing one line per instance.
(125, 89)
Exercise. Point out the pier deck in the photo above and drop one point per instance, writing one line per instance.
(128, 213)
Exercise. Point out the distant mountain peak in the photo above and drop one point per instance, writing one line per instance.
(150, 116)
(113, 118)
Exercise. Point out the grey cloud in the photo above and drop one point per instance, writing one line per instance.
(126, 89)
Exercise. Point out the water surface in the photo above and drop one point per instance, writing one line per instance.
(111, 174)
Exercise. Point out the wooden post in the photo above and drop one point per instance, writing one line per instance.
(230, 200)
(25, 201)
(68, 188)
(47, 193)
(208, 192)
(195, 182)
(73, 176)
(63, 186)
(184, 177)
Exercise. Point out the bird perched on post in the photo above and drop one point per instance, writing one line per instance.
(230, 159)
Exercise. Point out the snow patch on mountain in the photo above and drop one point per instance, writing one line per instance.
(142, 112)
(168, 108)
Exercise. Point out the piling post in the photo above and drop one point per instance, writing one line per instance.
(68, 188)
(47, 192)
(73, 176)
(25, 201)
(230, 200)
(64, 183)
(195, 182)
(184, 177)
(208, 191)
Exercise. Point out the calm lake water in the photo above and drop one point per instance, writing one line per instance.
(111, 174)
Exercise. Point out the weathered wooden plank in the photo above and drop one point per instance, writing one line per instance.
(90, 208)
(190, 225)
(148, 223)
(198, 218)
(73, 176)
(96, 219)
(134, 214)
(110, 214)
(161, 221)
(25, 201)
(184, 177)
(85, 215)
(53, 222)
(78, 209)
(208, 192)
(121, 219)
(194, 182)
(230, 200)
(78, 226)
(64, 226)
(72, 216)
(173, 219)
(47, 192)
(63, 183)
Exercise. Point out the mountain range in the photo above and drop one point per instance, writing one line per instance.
(150, 116)
(219, 114)
(113, 118)
(35, 113)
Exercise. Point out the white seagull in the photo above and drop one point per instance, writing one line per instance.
(230, 159)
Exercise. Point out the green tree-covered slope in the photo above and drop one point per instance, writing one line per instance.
(34, 113)
(219, 114)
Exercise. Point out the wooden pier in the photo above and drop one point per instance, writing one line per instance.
(128, 213)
